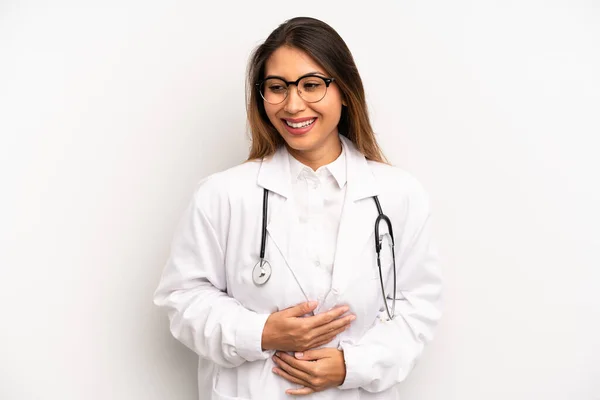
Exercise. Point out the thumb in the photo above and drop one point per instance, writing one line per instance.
(311, 355)
(301, 309)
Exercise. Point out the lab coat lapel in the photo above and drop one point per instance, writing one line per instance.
(358, 218)
(282, 225)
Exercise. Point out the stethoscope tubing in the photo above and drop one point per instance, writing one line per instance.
(381, 216)
(263, 239)
(385, 218)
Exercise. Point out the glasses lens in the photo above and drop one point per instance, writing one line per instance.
(312, 88)
(273, 90)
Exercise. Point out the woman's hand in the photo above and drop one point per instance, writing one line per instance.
(286, 330)
(316, 370)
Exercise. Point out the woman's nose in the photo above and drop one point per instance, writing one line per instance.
(294, 103)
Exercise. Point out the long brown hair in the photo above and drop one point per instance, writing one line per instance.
(324, 45)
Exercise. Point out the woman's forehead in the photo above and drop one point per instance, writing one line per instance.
(291, 63)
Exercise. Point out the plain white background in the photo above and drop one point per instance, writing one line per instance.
(110, 113)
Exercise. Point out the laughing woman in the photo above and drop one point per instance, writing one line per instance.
(309, 269)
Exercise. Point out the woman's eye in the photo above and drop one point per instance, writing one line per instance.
(311, 86)
(277, 88)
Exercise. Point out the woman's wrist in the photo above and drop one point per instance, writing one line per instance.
(266, 337)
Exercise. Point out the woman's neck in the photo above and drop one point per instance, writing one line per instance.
(316, 158)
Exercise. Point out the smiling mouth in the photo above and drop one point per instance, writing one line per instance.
(302, 124)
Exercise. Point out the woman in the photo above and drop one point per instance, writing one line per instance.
(312, 319)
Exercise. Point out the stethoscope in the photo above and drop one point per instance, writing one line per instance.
(262, 270)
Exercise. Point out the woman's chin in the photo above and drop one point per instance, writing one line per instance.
(302, 144)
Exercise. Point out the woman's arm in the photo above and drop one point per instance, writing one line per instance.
(192, 289)
(387, 353)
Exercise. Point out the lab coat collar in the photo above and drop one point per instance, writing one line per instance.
(360, 179)
(275, 175)
(356, 224)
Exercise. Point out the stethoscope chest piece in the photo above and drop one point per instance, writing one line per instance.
(261, 272)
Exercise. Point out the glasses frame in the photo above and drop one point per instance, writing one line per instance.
(296, 82)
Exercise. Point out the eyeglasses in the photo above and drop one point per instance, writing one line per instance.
(311, 88)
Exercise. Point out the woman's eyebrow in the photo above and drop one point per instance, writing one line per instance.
(283, 79)
(314, 73)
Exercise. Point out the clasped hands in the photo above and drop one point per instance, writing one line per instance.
(288, 331)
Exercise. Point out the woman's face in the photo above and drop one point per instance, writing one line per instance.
(319, 139)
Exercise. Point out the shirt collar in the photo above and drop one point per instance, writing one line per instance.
(337, 169)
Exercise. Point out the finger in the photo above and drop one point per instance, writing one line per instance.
(313, 355)
(300, 309)
(334, 325)
(280, 372)
(300, 392)
(301, 369)
(327, 317)
(292, 371)
(324, 339)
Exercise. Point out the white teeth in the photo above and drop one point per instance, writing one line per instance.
(300, 124)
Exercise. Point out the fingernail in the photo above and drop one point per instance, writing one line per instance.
(278, 354)
(345, 308)
(299, 354)
(274, 370)
(312, 303)
(352, 317)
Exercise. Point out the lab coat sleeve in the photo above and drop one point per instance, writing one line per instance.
(388, 351)
(193, 290)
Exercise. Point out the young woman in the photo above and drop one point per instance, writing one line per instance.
(307, 270)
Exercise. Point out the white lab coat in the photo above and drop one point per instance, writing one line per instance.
(216, 310)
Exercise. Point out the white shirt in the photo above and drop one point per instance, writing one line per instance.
(319, 198)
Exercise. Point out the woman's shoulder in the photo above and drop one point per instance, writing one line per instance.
(396, 176)
(398, 181)
(236, 175)
(231, 182)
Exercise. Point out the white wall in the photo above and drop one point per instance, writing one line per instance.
(110, 114)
